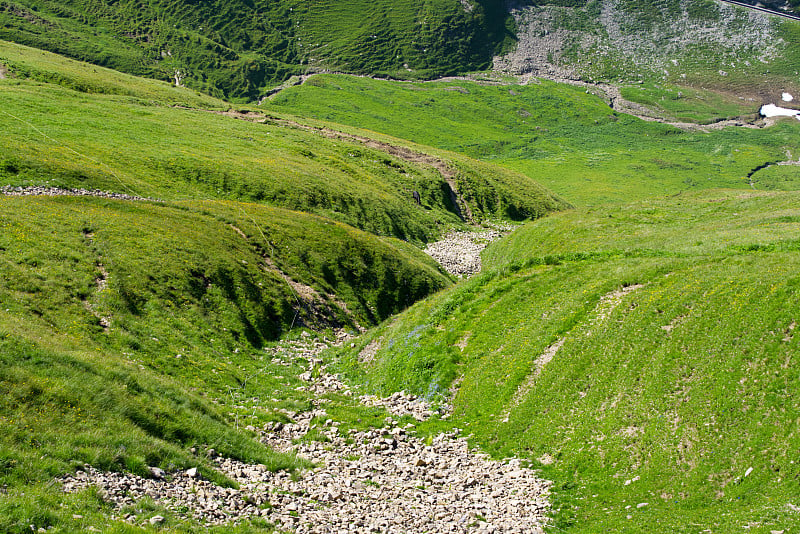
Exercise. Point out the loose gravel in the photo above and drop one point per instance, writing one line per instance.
(380, 480)
(460, 252)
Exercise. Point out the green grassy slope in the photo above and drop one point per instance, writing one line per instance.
(559, 135)
(55, 135)
(668, 397)
(123, 325)
(132, 331)
(238, 49)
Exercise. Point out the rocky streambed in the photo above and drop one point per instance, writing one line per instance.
(379, 480)
(460, 252)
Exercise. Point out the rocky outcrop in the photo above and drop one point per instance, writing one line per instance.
(567, 42)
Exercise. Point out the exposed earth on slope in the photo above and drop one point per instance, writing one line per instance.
(364, 481)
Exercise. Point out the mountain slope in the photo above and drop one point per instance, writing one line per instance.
(637, 354)
(238, 49)
(699, 43)
(560, 135)
(137, 332)
(107, 139)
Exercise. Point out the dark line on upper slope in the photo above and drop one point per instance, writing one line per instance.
(762, 9)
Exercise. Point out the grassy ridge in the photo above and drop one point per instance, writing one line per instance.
(29, 63)
(219, 267)
(132, 332)
(238, 49)
(669, 398)
(57, 136)
(559, 135)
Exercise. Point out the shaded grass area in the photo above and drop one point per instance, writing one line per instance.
(194, 274)
(681, 396)
(559, 135)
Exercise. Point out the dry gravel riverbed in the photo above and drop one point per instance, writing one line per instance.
(460, 252)
(380, 480)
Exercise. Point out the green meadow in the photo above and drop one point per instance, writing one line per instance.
(635, 339)
(561, 136)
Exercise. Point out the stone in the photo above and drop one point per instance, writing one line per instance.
(353, 488)
(156, 520)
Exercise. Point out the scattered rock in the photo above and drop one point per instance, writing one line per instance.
(59, 191)
(378, 480)
(157, 473)
(460, 252)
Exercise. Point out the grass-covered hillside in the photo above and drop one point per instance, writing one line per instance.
(69, 124)
(238, 49)
(132, 331)
(643, 356)
(562, 136)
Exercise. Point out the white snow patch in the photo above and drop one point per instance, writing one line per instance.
(771, 110)
(786, 97)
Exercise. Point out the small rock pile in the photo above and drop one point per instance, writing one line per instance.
(61, 192)
(402, 403)
(379, 480)
(460, 252)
